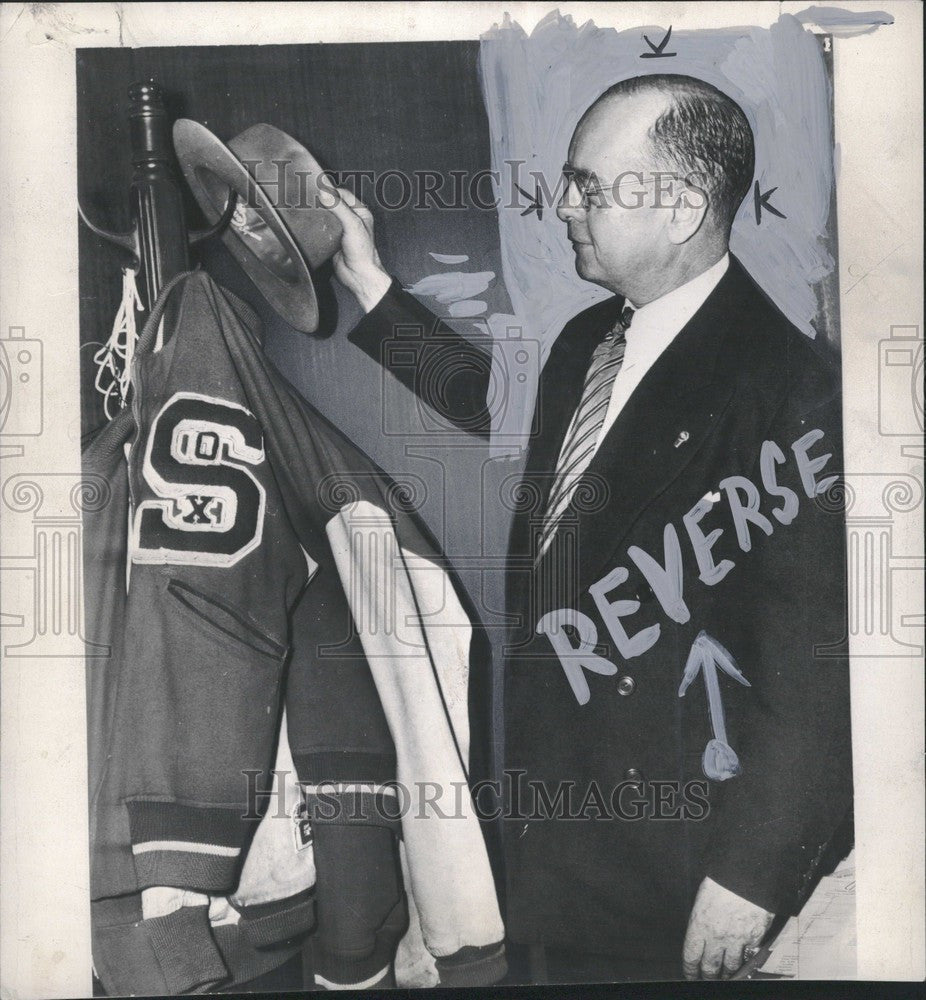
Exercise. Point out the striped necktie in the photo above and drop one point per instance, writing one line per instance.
(581, 438)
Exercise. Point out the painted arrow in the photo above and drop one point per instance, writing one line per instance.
(719, 761)
(761, 200)
(658, 51)
(536, 205)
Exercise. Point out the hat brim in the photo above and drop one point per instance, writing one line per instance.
(258, 238)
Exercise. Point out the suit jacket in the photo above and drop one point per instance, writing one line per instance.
(612, 821)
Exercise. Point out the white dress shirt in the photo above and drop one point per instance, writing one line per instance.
(653, 327)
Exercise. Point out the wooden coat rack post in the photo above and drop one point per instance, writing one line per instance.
(163, 247)
(158, 242)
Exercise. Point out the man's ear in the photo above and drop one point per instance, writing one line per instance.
(688, 214)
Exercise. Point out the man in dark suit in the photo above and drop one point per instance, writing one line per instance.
(677, 516)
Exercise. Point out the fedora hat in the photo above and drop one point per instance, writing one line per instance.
(279, 232)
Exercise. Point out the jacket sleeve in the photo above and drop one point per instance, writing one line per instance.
(774, 820)
(445, 370)
(345, 760)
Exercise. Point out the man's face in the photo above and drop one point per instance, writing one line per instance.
(617, 230)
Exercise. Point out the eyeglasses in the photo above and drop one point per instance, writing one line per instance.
(593, 192)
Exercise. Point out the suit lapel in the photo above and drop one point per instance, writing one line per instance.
(649, 446)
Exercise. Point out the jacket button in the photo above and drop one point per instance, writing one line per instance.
(626, 686)
(632, 774)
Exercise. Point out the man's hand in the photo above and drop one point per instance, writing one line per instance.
(356, 265)
(721, 925)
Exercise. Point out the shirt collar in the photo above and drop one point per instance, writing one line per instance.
(656, 324)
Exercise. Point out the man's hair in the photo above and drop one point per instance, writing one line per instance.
(703, 133)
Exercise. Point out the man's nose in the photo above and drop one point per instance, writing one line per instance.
(569, 205)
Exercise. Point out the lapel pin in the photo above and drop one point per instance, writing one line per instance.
(681, 439)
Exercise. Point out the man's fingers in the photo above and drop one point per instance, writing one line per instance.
(360, 210)
(691, 970)
(355, 203)
(720, 925)
(691, 956)
(354, 216)
(347, 195)
(732, 960)
(711, 961)
(357, 206)
(335, 203)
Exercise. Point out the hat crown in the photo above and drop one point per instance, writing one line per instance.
(279, 229)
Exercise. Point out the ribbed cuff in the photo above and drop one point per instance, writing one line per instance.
(267, 924)
(186, 953)
(339, 970)
(244, 961)
(473, 966)
(185, 870)
(315, 767)
(350, 787)
(188, 847)
(355, 805)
